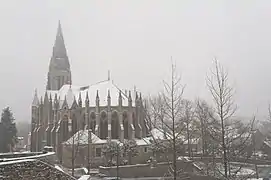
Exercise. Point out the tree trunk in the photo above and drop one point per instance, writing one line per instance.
(188, 140)
(202, 139)
(225, 160)
(73, 156)
(213, 158)
(130, 158)
(173, 131)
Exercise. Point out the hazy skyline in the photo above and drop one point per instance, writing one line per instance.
(135, 40)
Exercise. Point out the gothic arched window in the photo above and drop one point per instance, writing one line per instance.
(115, 125)
(92, 121)
(125, 125)
(103, 126)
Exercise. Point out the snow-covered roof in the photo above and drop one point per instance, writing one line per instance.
(157, 133)
(58, 168)
(71, 92)
(81, 138)
(16, 161)
(144, 141)
(28, 157)
(267, 143)
(81, 169)
(160, 134)
(20, 138)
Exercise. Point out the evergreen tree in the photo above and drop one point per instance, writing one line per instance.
(8, 131)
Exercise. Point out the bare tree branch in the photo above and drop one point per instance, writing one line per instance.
(234, 137)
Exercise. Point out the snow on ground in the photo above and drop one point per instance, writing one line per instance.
(17, 161)
(59, 168)
(84, 177)
(245, 172)
(29, 157)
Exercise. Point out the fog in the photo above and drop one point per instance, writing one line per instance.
(135, 40)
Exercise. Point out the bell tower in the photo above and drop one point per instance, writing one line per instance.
(59, 69)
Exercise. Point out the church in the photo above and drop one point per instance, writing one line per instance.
(65, 109)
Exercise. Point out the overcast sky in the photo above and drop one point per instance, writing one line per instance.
(135, 39)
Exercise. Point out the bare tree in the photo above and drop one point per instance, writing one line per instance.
(188, 120)
(208, 129)
(222, 94)
(172, 96)
(208, 126)
(233, 136)
(267, 123)
(165, 114)
(202, 112)
(130, 149)
(269, 112)
(75, 148)
(74, 145)
(154, 106)
(110, 150)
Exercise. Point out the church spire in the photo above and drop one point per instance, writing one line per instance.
(59, 69)
(80, 100)
(59, 30)
(59, 50)
(36, 99)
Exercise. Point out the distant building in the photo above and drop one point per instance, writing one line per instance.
(79, 141)
(20, 145)
(64, 109)
(28, 144)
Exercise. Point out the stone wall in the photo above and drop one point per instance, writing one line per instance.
(144, 170)
(240, 160)
(44, 156)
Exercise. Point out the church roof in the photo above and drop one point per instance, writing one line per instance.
(70, 92)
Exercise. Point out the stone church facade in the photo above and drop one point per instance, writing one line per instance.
(65, 109)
